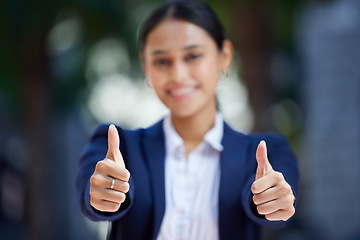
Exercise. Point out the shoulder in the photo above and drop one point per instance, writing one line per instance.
(273, 141)
(253, 137)
(101, 131)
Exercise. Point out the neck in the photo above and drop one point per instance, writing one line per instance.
(192, 129)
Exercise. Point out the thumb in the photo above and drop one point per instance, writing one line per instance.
(113, 152)
(264, 167)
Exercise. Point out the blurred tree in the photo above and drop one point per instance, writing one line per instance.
(27, 77)
(30, 89)
(257, 28)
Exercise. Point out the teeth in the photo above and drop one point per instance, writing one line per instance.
(182, 91)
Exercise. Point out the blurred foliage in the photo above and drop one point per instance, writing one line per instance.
(30, 73)
(24, 20)
(25, 25)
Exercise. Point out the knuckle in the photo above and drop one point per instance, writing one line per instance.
(101, 166)
(269, 217)
(94, 180)
(279, 176)
(254, 187)
(105, 165)
(255, 199)
(127, 187)
(122, 197)
(273, 216)
(93, 194)
(290, 199)
(283, 190)
(286, 186)
(288, 214)
(123, 187)
(115, 206)
(292, 211)
(126, 175)
(93, 203)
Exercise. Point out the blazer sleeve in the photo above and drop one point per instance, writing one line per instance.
(282, 160)
(93, 152)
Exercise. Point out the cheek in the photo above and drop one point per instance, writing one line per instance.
(153, 76)
(158, 85)
(158, 82)
(207, 73)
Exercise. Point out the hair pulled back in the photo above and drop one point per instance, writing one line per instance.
(195, 12)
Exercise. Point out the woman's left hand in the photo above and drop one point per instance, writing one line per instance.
(272, 194)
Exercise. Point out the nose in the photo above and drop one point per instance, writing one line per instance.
(178, 73)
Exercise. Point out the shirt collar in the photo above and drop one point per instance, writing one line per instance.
(215, 134)
(213, 137)
(172, 139)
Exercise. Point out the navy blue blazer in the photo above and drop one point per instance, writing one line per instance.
(143, 150)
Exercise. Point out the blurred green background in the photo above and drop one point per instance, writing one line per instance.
(67, 65)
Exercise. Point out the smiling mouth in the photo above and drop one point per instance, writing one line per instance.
(182, 92)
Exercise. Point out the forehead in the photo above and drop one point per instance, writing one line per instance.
(172, 35)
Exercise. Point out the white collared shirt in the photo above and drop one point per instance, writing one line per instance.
(192, 185)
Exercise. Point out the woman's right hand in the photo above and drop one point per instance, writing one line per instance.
(109, 182)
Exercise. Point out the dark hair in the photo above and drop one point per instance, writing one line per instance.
(195, 12)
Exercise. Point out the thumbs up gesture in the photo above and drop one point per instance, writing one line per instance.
(272, 194)
(109, 182)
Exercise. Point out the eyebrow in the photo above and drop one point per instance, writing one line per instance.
(156, 52)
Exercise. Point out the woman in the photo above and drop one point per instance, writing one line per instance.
(192, 176)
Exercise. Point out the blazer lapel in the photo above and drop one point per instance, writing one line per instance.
(232, 165)
(154, 148)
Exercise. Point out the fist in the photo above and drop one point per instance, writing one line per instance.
(109, 182)
(272, 194)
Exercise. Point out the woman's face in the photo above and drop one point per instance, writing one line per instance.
(182, 62)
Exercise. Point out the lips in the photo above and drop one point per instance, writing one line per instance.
(182, 92)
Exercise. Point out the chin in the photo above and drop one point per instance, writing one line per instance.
(186, 112)
(190, 109)
(183, 113)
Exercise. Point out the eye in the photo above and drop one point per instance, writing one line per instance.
(192, 57)
(161, 62)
